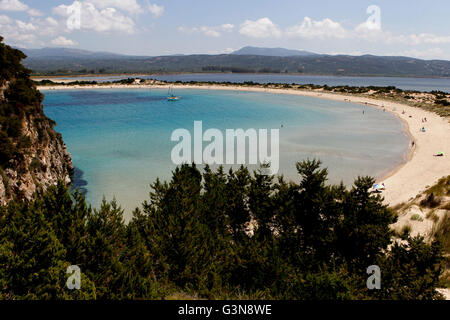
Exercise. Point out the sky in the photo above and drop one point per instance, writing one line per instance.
(418, 29)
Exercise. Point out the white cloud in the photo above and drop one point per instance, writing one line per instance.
(210, 31)
(347, 53)
(23, 26)
(422, 38)
(35, 13)
(100, 20)
(386, 37)
(322, 29)
(329, 29)
(187, 30)
(34, 32)
(106, 20)
(431, 53)
(227, 27)
(262, 28)
(51, 21)
(221, 51)
(23, 39)
(4, 20)
(156, 10)
(229, 50)
(368, 31)
(130, 6)
(17, 32)
(48, 27)
(367, 27)
(103, 16)
(63, 42)
(13, 5)
(60, 10)
(362, 31)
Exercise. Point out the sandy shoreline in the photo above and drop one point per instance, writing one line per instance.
(421, 170)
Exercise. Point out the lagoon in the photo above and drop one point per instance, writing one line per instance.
(404, 83)
(120, 139)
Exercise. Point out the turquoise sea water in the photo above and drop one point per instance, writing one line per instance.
(120, 139)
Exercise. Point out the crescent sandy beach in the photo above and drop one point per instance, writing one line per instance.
(422, 169)
(228, 155)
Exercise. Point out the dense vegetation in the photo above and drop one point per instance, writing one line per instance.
(366, 65)
(202, 234)
(194, 238)
(19, 100)
(438, 196)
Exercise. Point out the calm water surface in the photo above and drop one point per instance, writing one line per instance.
(120, 139)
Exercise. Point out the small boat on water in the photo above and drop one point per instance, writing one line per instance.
(171, 96)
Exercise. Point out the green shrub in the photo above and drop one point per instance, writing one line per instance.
(7, 149)
(441, 188)
(36, 165)
(431, 201)
(416, 217)
(406, 231)
(442, 232)
(190, 236)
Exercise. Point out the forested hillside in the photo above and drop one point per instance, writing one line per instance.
(32, 154)
(64, 61)
(216, 235)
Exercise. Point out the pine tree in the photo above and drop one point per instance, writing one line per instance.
(32, 259)
(364, 233)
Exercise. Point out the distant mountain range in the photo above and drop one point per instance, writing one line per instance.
(63, 61)
(272, 52)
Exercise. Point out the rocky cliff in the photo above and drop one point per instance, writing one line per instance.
(32, 154)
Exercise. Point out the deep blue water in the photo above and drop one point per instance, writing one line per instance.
(120, 139)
